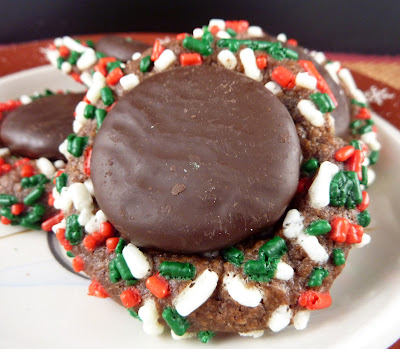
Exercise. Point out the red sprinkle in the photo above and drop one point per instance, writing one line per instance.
(157, 50)
(344, 153)
(181, 36)
(21, 162)
(60, 234)
(50, 200)
(27, 171)
(130, 297)
(99, 238)
(355, 234)
(76, 77)
(314, 301)
(354, 163)
(340, 227)
(77, 264)
(17, 209)
(9, 105)
(292, 42)
(90, 242)
(214, 29)
(238, 26)
(190, 59)
(304, 185)
(63, 51)
(283, 77)
(5, 168)
(114, 76)
(95, 289)
(261, 61)
(365, 202)
(106, 230)
(111, 244)
(5, 220)
(363, 114)
(48, 225)
(88, 158)
(158, 286)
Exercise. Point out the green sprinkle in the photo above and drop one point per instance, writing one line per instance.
(73, 230)
(134, 314)
(61, 181)
(290, 54)
(33, 181)
(120, 246)
(89, 111)
(356, 144)
(177, 270)
(34, 216)
(362, 105)
(374, 157)
(73, 57)
(231, 32)
(34, 195)
(7, 200)
(112, 65)
(202, 47)
(48, 92)
(276, 247)
(114, 273)
(261, 271)
(345, 190)
(364, 172)
(310, 166)
(317, 276)
(76, 145)
(205, 336)
(6, 212)
(177, 323)
(233, 255)
(100, 115)
(100, 55)
(145, 64)
(207, 37)
(364, 218)
(323, 102)
(319, 227)
(122, 267)
(90, 43)
(60, 61)
(70, 254)
(364, 129)
(338, 256)
(107, 96)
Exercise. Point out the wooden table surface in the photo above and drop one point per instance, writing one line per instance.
(382, 72)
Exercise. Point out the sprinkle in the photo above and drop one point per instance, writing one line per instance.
(317, 276)
(136, 261)
(130, 297)
(107, 96)
(136, 56)
(86, 78)
(241, 293)
(49, 223)
(77, 264)
(364, 218)
(94, 223)
(300, 320)
(27, 170)
(187, 335)
(276, 247)
(202, 47)
(75, 145)
(306, 80)
(4, 152)
(370, 138)
(255, 31)
(114, 76)
(196, 293)
(122, 267)
(318, 56)
(345, 190)
(284, 271)
(282, 37)
(81, 198)
(338, 256)
(333, 69)
(177, 270)
(280, 318)
(260, 270)
(365, 202)
(72, 44)
(273, 87)
(46, 167)
(313, 248)
(344, 153)
(320, 188)
(310, 166)
(315, 301)
(95, 289)
(34, 195)
(73, 231)
(197, 33)
(112, 243)
(66, 67)
(149, 315)
(158, 286)
(365, 240)
(323, 101)
(220, 23)
(262, 61)
(25, 99)
(17, 209)
(319, 227)
(312, 114)
(190, 59)
(293, 224)
(340, 227)
(248, 60)
(283, 77)
(157, 50)
(227, 59)
(238, 26)
(292, 42)
(177, 323)
(87, 59)
(128, 82)
(166, 59)
(205, 336)
(253, 334)
(233, 255)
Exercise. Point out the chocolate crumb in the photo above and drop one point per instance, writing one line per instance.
(177, 189)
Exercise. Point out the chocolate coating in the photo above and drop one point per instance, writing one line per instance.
(120, 47)
(37, 129)
(195, 159)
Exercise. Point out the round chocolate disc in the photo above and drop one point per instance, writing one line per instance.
(120, 47)
(195, 159)
(37, 129)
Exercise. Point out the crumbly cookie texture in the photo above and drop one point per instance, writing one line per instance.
(267, 281)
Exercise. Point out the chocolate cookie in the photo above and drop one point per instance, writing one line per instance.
(121, 48)
(195, 145)
(37, 129)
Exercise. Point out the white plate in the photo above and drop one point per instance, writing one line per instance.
(43, 305)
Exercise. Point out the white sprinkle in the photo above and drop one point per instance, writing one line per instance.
(59, 164)
(166, 58)
(313, 248)
(347, 80)
(253, 334)
(99, 79)
(46, 167)
(25, 99)
(87, 59)
(66, 67)
(85, 216)
(128, 82)
(241, 293)
(371, 176)
(306, 80)
(280, 318)
(149, 315)
(366, 162)
(282, 37)
(284, 271)
(52, 56)
(58, 42)
(80, 109)
(80, 196)
(220, 23)
(137, 262)
(319, 189)
(61, 225)
(76, 126)
(136, 56)
(255, 31)
(311, 113)
(196, 293)
(273, 87)
(186, 335)
(248, 60)
(227, 59)
(63, 201)
(198, 33)
(318, 56)
(359, 96)
(222, 34)
(89, 186)
(93, 93)
(333, 68)
(87, 78)
(300, 320)
(94, 224)
(293, 224)
(63, 149)
(73, 45)
(4, 152)
(370, 138)
(366, 239)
